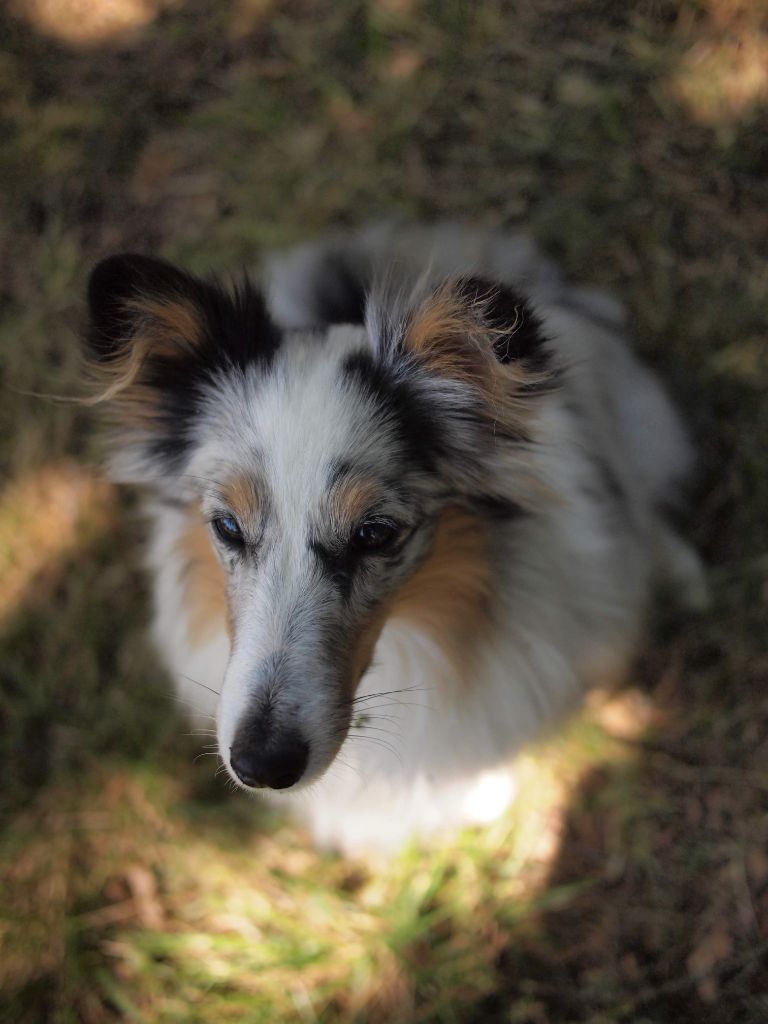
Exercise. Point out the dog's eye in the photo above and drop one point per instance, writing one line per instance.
(376, 535)
(228, 529)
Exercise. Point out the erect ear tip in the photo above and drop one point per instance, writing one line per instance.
(518, 329)
(119, 276)
(114, 280)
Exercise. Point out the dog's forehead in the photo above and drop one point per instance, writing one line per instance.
(303, 424)
(313, 419)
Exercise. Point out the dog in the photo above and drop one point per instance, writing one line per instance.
(407, 502)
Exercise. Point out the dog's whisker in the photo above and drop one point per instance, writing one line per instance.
(367, 727)
(197, 682)
(393, 704)
(377, 742)
(389, 693)
(366, 731)
(341, 763)
(187, 703)
(205, 753)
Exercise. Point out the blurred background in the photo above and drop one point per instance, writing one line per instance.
(630, 883)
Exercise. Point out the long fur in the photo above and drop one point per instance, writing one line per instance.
(442, 389)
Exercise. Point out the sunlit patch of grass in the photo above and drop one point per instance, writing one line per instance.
(723, 76)
(88, 22)
(158, 907)
(44, 516)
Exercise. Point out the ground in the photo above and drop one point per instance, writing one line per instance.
(630, 883)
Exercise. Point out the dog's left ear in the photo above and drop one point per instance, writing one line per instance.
(452, 328)
(516, 332)
(485, 341)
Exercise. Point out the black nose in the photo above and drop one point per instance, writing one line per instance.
(275, 761)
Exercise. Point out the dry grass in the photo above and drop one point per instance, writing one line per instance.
(630, 884)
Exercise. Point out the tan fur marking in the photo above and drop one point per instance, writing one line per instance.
(171, 321)
(448, 595)
(351, 499)
(205, 597)
(451, 337)
(164, 327)
(444, 334)
(242, 495)
(347, 503)
(363, 650)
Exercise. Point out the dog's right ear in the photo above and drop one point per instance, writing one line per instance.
(147, 304)
(127, 289)
(157, 336)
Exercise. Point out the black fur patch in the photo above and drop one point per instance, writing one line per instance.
(235, 332)
(518, 330)
(497, 509)
(338, 470)
(338, 565)
(415, 423)
(339, 294)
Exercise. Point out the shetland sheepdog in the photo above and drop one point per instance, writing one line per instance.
(407, 504)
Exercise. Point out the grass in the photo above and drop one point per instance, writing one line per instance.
(630, 883)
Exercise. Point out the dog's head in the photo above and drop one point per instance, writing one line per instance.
(340, 475)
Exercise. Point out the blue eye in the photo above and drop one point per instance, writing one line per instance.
(228, 529)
